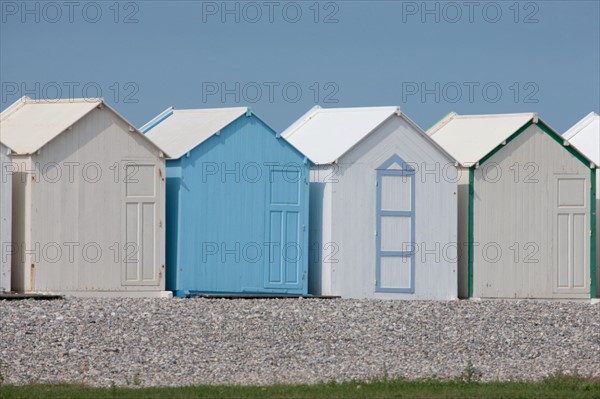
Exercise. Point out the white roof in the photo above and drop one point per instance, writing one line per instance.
(324, 135)
(28, 125)
(585, 136)
(469, 138)
(180, 131)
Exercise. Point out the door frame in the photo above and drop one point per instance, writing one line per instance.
(406, 171)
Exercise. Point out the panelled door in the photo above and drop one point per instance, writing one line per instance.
(571, 274)
(283, 249)
(395, 227)
(139, 251)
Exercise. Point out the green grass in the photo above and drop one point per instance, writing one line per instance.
(557, 386)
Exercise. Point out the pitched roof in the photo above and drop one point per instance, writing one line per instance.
(585, 136)
(469, 138)
(28, 125)
(324, 135)
(180, 131)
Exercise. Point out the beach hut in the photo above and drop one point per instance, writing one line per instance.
(525, 208)
(585, 136)
(383, 205)
(5, 217)
(88, 209)
(237, 204)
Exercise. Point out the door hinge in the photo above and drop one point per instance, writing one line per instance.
(303, 227)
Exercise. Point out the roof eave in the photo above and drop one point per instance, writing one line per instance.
(134, 129)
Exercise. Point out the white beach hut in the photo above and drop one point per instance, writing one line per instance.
(89, 200)
(383, 208)
(525, 208)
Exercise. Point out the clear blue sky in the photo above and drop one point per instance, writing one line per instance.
(429, 58)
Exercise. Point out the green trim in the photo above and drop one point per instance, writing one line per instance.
(561, 140)
(470, 230)
(508, 140)
(543, 127)
(593, 230)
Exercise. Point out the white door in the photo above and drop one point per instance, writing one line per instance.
(140, 263)
(571, 274)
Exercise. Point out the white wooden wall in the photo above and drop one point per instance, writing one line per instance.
(529, 221)
(352, 223)
(5, 219)
(322, 250)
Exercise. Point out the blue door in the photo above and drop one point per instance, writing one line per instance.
(285, 231)
(395, 239)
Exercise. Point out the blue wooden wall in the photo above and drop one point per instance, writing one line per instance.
(237, 214)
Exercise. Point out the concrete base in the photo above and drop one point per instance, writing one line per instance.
(254, 296)
(110, 294)
(562, 300)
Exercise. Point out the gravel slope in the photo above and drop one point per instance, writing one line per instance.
(199, 341)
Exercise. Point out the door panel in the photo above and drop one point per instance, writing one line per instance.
(274, 245)
(148, 242)
(579, 251)
(396, 233)
(291, 252)
(396, 192)
(562, 273)
(395, 272)
(131, 262)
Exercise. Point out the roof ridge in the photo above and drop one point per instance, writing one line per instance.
(90, 100)
(494, 115)
(441, 123)
(11, 109)
(176, 145)
(360, 109)
(208, 109)
(301, 121)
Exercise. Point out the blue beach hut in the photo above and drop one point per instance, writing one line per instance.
(237, 204)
